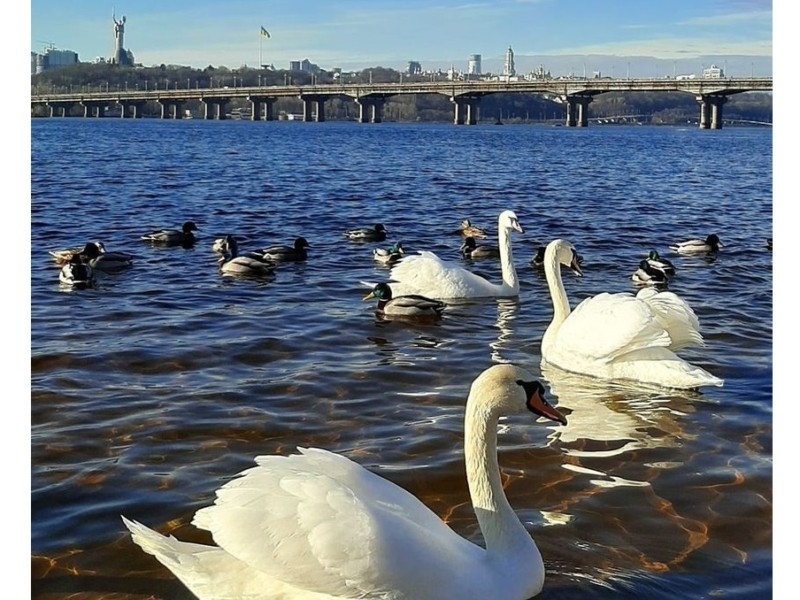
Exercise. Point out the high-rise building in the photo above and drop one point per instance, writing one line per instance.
(474, 64)
(508, 63)
(414, 68)
(52, 59)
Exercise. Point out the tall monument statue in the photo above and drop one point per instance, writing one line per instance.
(120, 56)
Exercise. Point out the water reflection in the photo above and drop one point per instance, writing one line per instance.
(506, 314)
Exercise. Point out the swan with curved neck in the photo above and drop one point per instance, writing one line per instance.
(620, 336)
(428, 275)
(316, 525)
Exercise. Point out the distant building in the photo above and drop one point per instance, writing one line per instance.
(508, 63)
(414, 68)
(539, 73)
(304, 65)
(294, 65)
(474, 64)
(713, 72)
(52, 59)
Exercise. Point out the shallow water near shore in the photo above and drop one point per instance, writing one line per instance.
(154, 388)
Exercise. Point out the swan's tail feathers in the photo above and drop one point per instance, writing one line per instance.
(367, 284)
(674, 248)
(675, 316)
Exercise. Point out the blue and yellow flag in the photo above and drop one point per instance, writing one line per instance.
(264, 32)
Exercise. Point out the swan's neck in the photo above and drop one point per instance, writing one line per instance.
(561, 309)
(507, 259)
(501, 528)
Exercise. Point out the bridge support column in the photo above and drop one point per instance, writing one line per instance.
(311, 102)
(213, 109)
(459, 110)
(308, 110)
(583, 110)
(370, 109)
(466, 110)
(576, 110)
(711, 110)
(256, 114)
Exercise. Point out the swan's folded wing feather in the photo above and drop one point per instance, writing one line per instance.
(428, 275)
(321, 522)
(607, 326)
(675, 316)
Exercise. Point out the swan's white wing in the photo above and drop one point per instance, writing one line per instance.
(675, 316)
(428, 275)
(607, 326)
(322, 522)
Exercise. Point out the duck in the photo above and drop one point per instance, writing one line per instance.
(411, 305)
(297, 252)
(710, 245)
(76, 273)
(660, 264)
(538, 259)
(316, 524)
(620, 336)
(62, 257)
(219, 245)
(173, 237)
(366, 234)
(428, 275)
(647, 275)
(389, 256)
(232, 263)
(97, 258)
(471, 250)
(467, 229)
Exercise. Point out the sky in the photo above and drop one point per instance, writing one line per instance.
(437, 33)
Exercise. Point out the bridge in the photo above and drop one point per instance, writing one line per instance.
(575, 94)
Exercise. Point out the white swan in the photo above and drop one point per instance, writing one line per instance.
(319, 526)
(620, 336)
(428, 275)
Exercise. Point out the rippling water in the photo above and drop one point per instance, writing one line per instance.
(153, 389)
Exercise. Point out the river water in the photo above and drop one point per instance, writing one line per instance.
(154, 388)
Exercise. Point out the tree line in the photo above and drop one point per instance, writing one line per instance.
(666, 108)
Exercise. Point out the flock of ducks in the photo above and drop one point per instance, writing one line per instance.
(318, 525)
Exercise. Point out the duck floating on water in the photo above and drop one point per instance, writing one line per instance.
(389, 256)
(109, 262)
(366, 234)
(252, 264)
(62, 257)
(173, 237)
(710, 245)
(654, 261)
(296, 252)
(471, 250)
(467, 229)
(409, 306)
(648, 275)
(76, 274)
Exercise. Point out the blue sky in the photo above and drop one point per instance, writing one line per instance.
(437, 33)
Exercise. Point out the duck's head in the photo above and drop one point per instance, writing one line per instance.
(379, 228)
(508, 220)
(92, 250)
(397, 248)
(189, 226)
(381, 291)
(563, 252)
(653, 255)
(713, 241)
(301, 243)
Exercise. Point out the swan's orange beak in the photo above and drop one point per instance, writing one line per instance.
(538, 404)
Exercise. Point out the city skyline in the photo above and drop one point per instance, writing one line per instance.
(361, 35)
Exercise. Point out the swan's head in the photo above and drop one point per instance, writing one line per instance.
(563, 252)
(508, 220)
(510, 389)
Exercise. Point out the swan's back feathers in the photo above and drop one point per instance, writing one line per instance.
(428, 275)
(675, 316)
(302, 519)
(608, 326)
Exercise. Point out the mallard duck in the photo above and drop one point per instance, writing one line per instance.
(411, 305)
(710, 245)
(660, 264)
(219, 246)
(471, 250)
(620, 336)
(467, 229)
(101, 260)
(647, 275)
(232, 263)
(366, 234)
(62, 257)
(77, 274)
(389, 256)
(297, 252)
(173, 237)
(315, 524)
(428, 275)
(538, 259)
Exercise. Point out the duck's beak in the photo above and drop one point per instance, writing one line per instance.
(369, 296)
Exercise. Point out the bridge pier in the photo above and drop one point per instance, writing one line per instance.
(370, 109)
(214, 109)
(256, 103)
(308, 108)
(93, 109)
(576, 109)
(171, 109)
(134, 108)
(711, 110)
(465, 109)
(59, 107)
